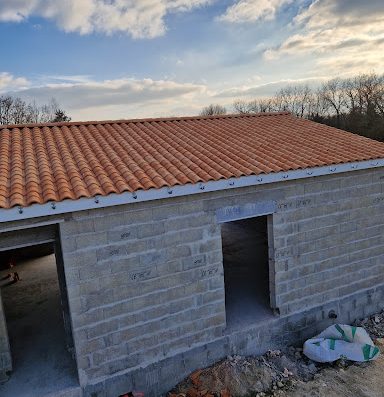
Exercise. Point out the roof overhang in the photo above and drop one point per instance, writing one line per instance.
(67, 206)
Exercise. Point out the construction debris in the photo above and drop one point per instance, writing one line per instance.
(276, 373)
(237, 375)
(374, 325)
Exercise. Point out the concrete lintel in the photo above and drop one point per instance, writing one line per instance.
(237, 212)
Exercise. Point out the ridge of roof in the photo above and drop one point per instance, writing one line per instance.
(143, 120)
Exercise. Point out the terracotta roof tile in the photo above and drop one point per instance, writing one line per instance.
(58, 161)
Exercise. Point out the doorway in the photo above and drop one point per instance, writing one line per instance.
(247, 278)
(36, 313)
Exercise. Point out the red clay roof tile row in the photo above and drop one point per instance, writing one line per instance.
(58, 161)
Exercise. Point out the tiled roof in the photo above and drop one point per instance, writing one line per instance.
(58, 161)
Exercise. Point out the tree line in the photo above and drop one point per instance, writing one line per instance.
(354, 104)
(14, 110)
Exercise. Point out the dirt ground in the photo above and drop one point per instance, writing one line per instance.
(358, 380)
(289, 373)
(365, 380)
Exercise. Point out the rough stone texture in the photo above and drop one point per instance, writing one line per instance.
(146, 289)
(5, 352)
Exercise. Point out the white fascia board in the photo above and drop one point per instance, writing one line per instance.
(66, 206)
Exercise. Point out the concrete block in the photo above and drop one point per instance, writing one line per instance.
(102, 328)
(165, 211)
(122, 234)
(152, 258)
(150, 229)
(80, 258)
(194, 262)
(210, 245)
(110, 252)
(68, 244)
(178, 252)
(77, 227)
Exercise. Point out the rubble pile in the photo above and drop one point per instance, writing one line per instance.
(254, 376)
(374, 325)
(274, 374)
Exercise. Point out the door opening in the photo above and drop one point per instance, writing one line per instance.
(36, 311)
(247, 278)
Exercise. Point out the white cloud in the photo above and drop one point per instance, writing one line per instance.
(120, 98)
(132, 98)
(139, 18)
(249, 91)
(17, 10)
(9, 82)
(252, 10)
(345, 36)
(73, 78)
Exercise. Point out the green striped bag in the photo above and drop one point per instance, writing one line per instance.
(341, 341)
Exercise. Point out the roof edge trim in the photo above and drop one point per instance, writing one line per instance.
(67, 206)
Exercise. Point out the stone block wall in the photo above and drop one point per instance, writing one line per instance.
(143, 283)
(5, 353)
(146, 288)
(330, 242)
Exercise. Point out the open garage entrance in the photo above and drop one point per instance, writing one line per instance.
(248, 284)
(36, 317)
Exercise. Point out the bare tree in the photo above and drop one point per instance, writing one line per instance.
(370, 88)
(334, 98)
(352, 95)
(241, 106)
(354, 104)
(265, 105)
(297, 99)
(14, 110)
(53, 113)
(6, 103)
(254, 106)
(212, 110)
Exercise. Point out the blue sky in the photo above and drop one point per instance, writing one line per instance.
(138, 58)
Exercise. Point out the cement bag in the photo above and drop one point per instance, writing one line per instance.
(341, 341)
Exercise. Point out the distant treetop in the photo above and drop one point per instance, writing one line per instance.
(14, 110)
(212, 110)
(354, 104)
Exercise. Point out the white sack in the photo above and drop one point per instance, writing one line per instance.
(341, 341)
